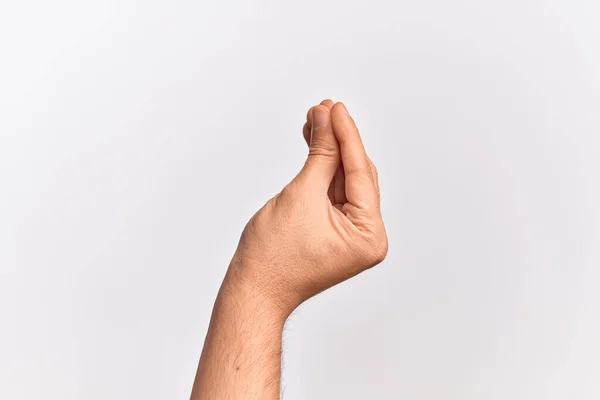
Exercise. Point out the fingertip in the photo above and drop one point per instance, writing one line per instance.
(327, 103)
(343, 125)
(319, 116)
(340, 108)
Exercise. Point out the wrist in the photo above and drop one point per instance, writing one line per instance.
(242, 286)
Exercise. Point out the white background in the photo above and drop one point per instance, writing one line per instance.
(137, 138)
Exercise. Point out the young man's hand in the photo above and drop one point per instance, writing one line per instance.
(324, 227)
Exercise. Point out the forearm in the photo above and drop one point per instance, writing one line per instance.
(241, 358)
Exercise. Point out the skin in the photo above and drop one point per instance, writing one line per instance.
(324, 227)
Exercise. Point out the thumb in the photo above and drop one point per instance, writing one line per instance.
(324, 154)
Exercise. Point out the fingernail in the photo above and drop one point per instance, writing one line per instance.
(320, 117)
(345, 109)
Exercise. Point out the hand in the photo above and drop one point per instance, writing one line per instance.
(324, 227)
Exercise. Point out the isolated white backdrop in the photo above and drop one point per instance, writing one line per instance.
(137, 138)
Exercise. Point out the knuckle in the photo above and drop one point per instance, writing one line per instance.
(363, 173)
(321, 150)
(382, 251)
(379, 249)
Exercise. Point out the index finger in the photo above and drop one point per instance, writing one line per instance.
(360, 187)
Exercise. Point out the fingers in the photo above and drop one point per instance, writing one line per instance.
(327, 103)
(337, 190)
(306, 129)
(323, 157)
(360, 181)
(355, 160)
